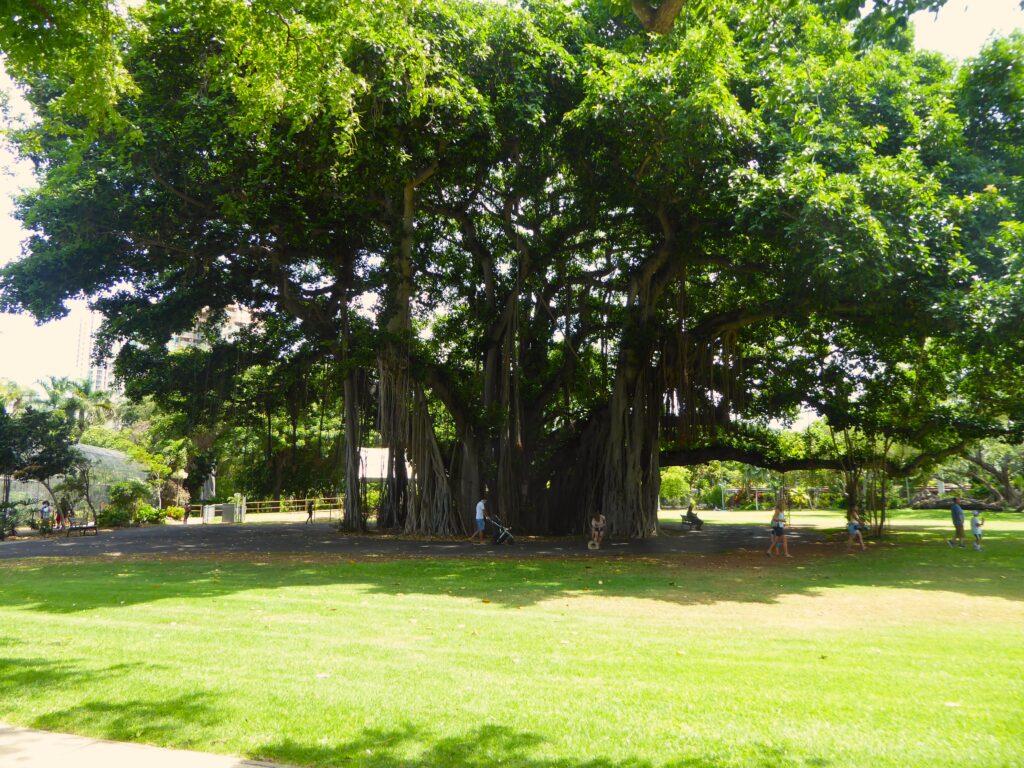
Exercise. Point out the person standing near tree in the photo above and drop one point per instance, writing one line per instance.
(188, 511)
(44, 517)
(957, 513)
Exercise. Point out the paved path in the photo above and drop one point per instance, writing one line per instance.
(24, 748)
(252, 539)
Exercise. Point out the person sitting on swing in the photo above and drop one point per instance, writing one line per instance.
(597, 526)
(854, 528)
(779, 541)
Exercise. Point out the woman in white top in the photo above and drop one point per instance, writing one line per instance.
(778, 533)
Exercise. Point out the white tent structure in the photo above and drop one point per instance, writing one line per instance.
(373, 463)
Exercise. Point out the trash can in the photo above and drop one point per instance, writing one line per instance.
(208, 511)
(227, 513)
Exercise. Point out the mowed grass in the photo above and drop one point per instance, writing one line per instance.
(911, 654)
(899, 519)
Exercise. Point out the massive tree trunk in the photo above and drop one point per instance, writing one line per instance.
(424, 503)
(433, 511)
(631, 477)
(393, 361)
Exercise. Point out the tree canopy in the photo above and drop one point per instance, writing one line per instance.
(546, 250)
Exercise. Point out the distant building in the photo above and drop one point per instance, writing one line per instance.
(99, 373)
(237, 319)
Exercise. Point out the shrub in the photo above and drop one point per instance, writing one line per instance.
(129, 494)
(798, 497)
(127, 501)
(713, 497)
(150, 515)
(675, 483)
(829, 500)
(175, 513)
(113, 517)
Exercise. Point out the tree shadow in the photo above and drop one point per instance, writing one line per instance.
(409, 747)
(157, 720)
(914, 560)
(169, 722)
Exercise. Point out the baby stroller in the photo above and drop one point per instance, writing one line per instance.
(502, 534)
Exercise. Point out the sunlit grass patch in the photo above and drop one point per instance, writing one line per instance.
(867, 659)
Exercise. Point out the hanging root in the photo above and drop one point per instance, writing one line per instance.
(432, 512)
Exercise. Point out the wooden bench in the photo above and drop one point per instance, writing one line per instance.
(691, 523)
(81, 523)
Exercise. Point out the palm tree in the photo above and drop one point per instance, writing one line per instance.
(81, 403)
(14, 397)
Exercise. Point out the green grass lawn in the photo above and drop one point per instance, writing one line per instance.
(899, 519)
(911, 654)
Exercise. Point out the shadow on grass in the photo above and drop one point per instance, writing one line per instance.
(188, 721)
(143, 720)
(914, 560)
(409, 747)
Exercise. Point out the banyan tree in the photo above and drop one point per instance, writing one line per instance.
(570, 248)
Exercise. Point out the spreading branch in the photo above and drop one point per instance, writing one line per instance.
(658, 20)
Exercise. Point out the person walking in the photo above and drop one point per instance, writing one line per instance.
(481, 520)
(957, 514)
(976, 524)
(188, 511)
(778, 532)
(309, 511)
(44, 517)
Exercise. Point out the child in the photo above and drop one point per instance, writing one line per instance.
(597, 524)
(976, 523)
(853, 528)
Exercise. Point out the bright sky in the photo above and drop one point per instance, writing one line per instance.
(29, 352)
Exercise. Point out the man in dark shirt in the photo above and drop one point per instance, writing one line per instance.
(957, 513)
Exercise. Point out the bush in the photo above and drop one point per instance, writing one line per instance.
(150, 515)
(175, 513)
(713, 497)
(829, 500)
(675, 483)
(127, 502)
(113, 517)
(129, 494)
(798, 497)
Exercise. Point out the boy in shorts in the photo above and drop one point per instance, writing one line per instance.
(976, 523)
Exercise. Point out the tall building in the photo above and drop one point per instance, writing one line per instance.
(99, 374)
(237, 319)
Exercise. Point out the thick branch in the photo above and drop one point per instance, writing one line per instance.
(692, 456)
(658, 20)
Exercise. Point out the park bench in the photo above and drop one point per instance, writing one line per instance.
(691, 522)
(80, 523)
